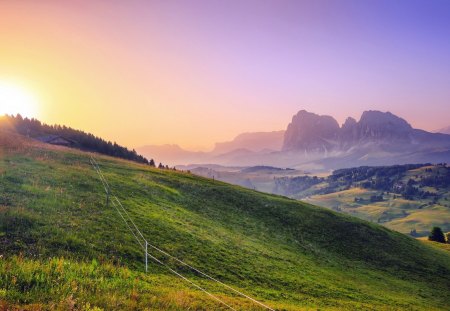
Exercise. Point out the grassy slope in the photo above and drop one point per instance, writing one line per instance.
(289, 254)
(396, 213)
(442, 246)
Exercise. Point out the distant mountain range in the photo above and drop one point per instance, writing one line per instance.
(445, 130)
(317, 143)
(242, 145)
(255, 142)
(173, 154)
(312, 133)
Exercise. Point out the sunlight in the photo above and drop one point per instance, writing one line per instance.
(15, 99)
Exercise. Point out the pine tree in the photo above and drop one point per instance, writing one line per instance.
(437, 235)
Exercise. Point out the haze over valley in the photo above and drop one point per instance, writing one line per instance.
(319, 144)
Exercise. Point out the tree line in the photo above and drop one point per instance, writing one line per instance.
(85, 141)
(437, 235)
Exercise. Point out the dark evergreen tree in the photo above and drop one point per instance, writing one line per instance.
(437, 235)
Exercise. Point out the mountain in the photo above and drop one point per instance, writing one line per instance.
(309, 132)
(445, 130)
(243, 145)
(378, 138)
(377, 125)
(256, 142)
(172, 154)
(317, 143)
(63, 247)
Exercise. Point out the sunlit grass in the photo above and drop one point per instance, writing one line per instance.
(289, 254)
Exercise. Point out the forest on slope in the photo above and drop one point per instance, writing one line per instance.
(75, 138)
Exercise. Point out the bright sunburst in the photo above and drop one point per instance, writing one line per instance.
(15, 99)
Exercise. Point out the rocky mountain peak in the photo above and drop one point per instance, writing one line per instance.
(349, 123)
(373, 118)
(382, 125)
(311, 132)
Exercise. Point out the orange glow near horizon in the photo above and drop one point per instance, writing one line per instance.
(165, 72)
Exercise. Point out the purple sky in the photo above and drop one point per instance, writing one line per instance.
(197, 72)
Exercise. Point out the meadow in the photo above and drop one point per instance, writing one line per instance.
(63, 248)
(394, 211)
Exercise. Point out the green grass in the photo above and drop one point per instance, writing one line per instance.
(64, 284)
(291, 255)
(394, 212)
(441, 246)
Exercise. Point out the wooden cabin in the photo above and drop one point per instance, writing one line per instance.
(57, 140)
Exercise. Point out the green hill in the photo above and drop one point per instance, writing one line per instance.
(67, 136)
(62, 248)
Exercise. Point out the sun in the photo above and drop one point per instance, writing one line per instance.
(14, 99)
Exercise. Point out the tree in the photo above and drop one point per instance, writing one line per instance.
(437, 235)
(448, 237)
(85, 141)
(152, 163)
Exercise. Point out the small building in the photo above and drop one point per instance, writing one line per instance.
(57, 140)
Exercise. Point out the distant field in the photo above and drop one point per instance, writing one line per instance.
(395, 213)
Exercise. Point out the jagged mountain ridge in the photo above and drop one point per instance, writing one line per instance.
(317, 143)
(309, 132)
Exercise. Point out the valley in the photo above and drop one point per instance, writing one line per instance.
(409, 198)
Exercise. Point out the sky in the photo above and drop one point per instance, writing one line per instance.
(198, 72)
